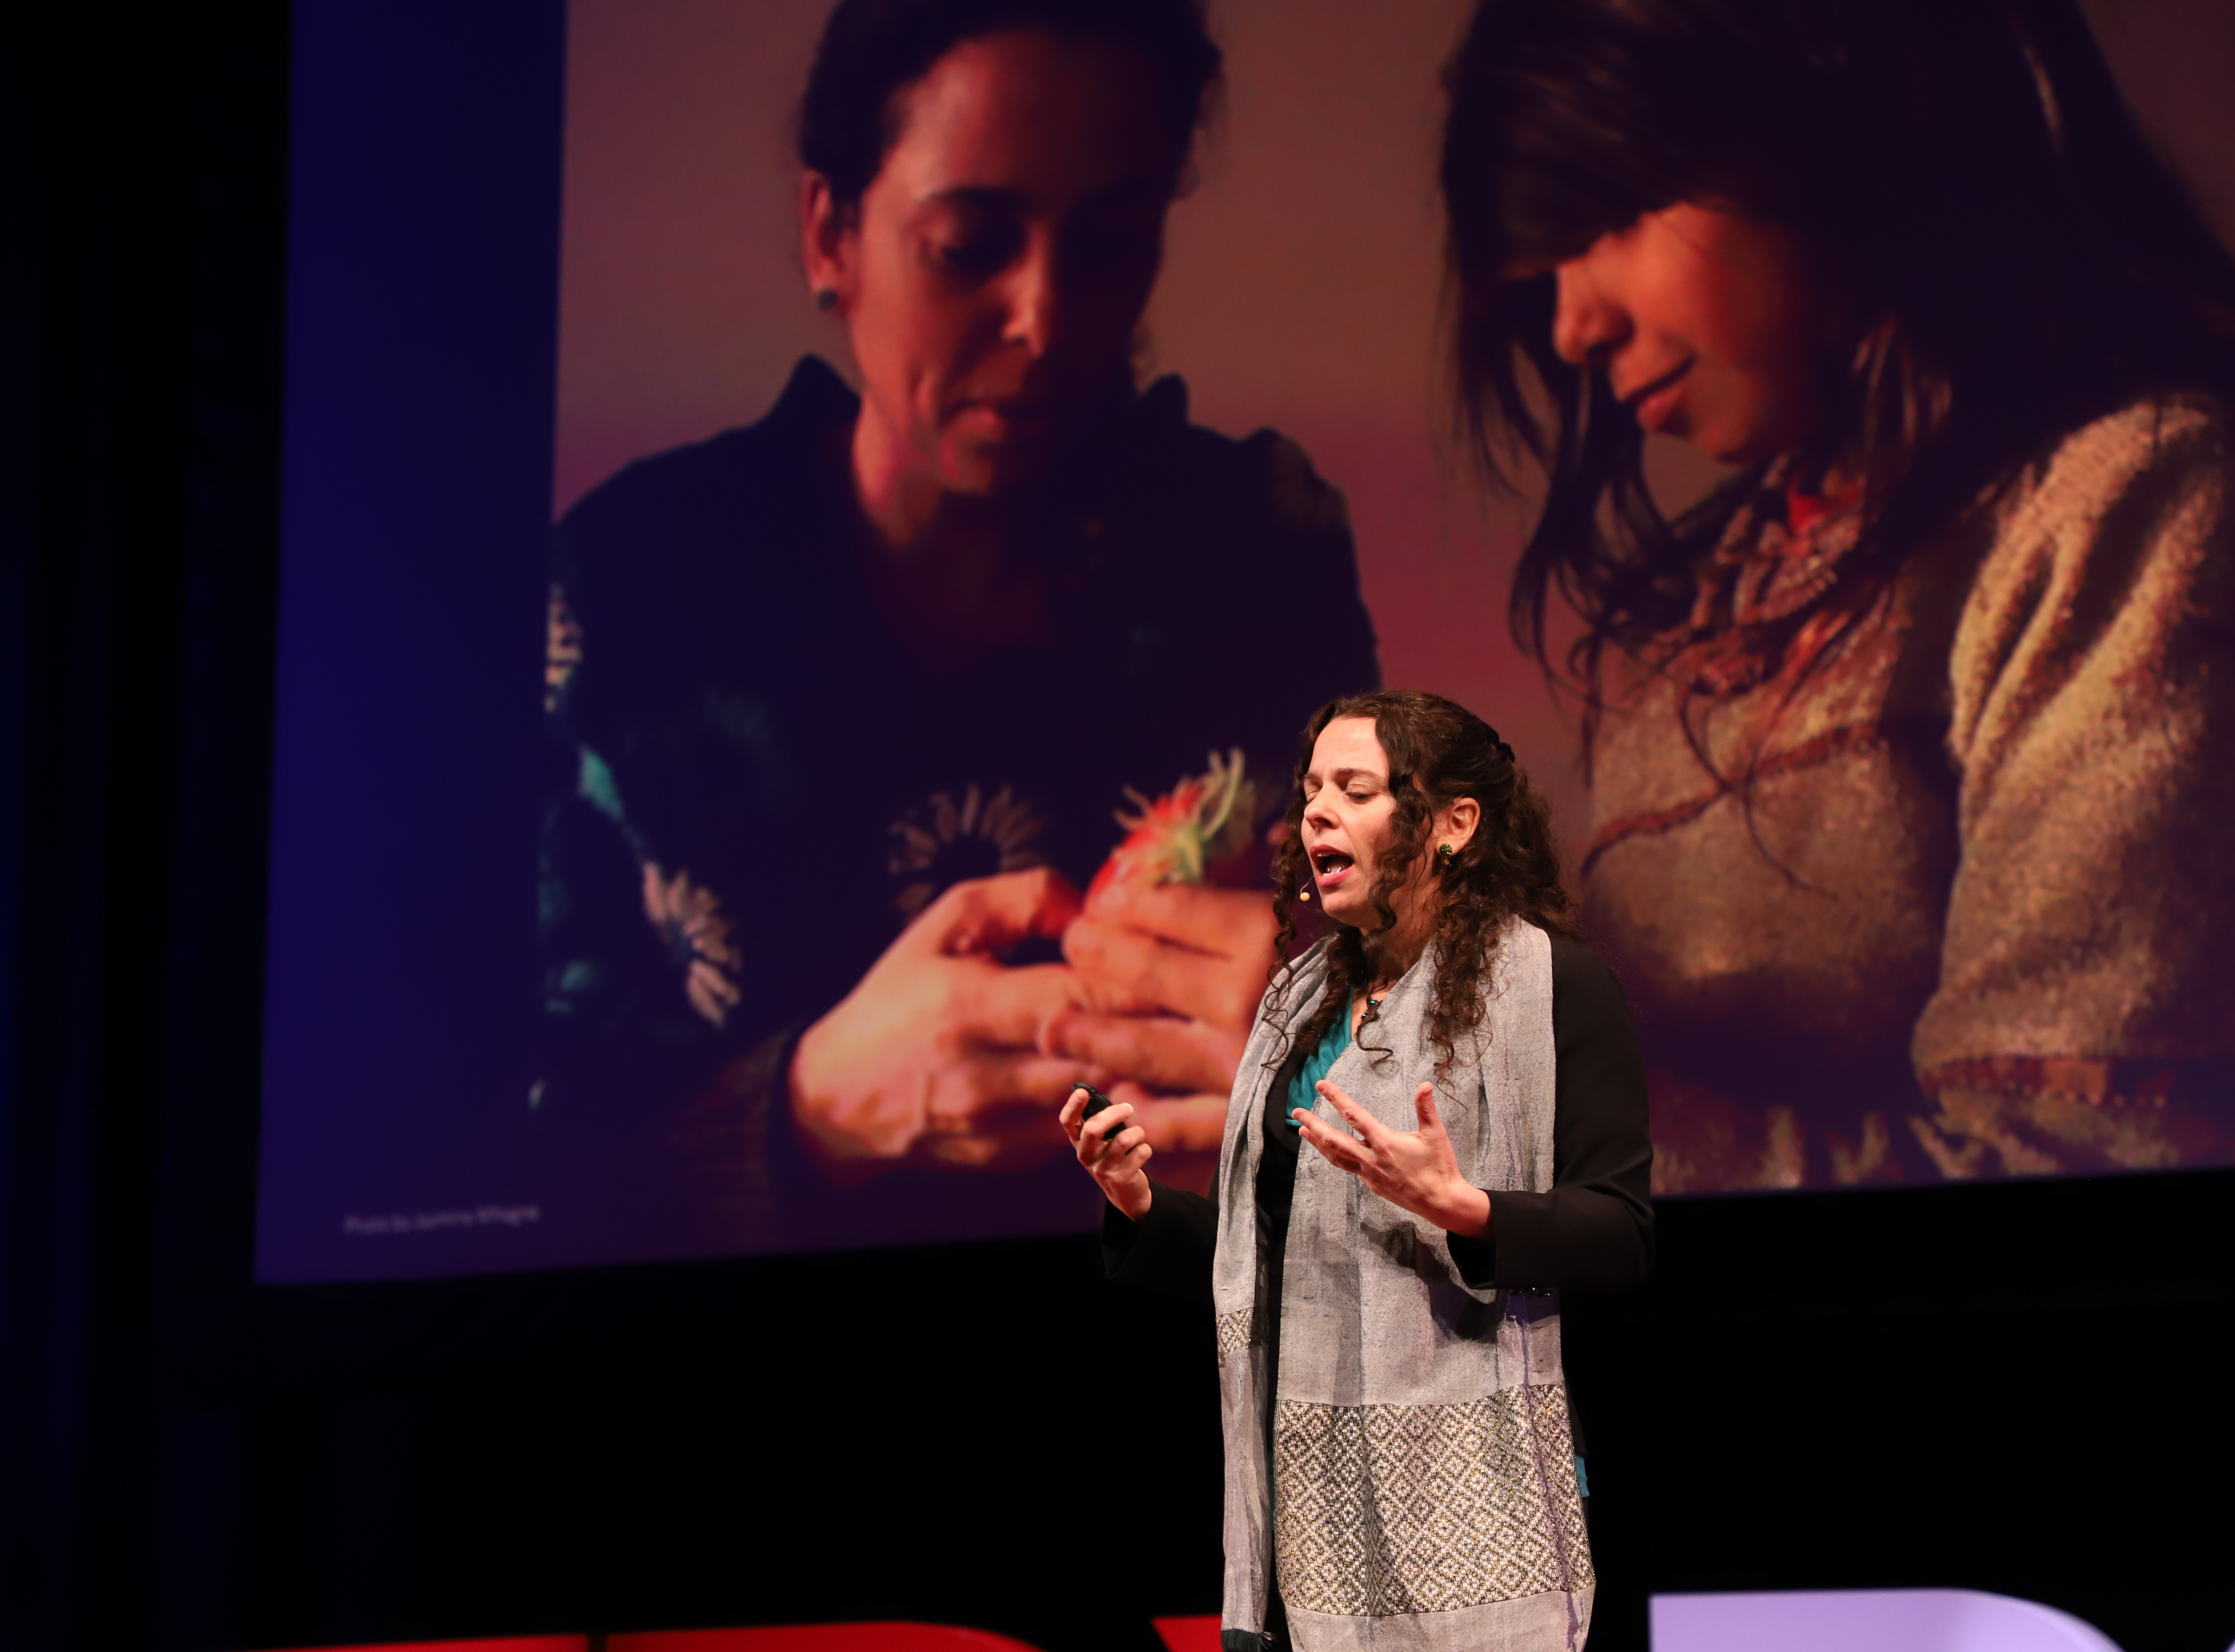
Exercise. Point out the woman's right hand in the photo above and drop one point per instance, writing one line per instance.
(1114, 1149)
(933, 1055)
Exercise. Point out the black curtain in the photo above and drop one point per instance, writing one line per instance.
(144, 168)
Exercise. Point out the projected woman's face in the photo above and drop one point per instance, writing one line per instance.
(995, 272)
(1711, 328)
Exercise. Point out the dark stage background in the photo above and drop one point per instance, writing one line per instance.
(2019, 1387)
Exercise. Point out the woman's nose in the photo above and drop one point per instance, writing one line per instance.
(1586, 320)
(1035, 299)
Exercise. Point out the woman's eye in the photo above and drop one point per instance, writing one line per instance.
(1099, 250)
(976, 255)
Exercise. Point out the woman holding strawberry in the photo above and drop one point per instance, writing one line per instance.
(1439, 1121)
(841, 701)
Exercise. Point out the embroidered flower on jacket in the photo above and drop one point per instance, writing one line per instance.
(688, 919)
(1769, 598)
(941, 842)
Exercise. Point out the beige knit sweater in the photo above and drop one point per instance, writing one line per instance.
(1960, 903)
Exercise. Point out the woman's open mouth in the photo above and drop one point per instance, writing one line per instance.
(1328, 865)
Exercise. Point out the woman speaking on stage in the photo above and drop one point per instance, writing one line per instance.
(1439, 1122)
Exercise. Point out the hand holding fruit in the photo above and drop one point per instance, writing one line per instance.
(1171, 967)
(932, 1056)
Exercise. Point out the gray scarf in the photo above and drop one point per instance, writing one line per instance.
(1423, 1488)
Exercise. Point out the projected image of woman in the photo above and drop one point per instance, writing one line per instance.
(843, 701)
(1913, 745)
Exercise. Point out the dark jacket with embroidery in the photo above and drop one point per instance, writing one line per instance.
(753, 787)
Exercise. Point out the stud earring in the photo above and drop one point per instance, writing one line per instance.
(826, 299)
(1446, 850)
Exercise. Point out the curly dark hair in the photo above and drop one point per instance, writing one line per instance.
(1439, 752)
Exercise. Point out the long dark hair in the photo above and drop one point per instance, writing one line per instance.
(1438, 751)
(2022, 263)
(874, 50)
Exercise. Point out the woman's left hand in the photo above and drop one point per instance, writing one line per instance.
(1415, 1170)
(1172, 975)
(1185, 949)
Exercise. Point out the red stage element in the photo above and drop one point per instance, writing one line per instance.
(819, 1637)
(516, 1644)
(1189, 1634)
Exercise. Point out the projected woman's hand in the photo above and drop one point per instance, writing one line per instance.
(1172, 975)
(931, 1057)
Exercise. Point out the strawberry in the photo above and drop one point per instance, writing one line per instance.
(1179, 837)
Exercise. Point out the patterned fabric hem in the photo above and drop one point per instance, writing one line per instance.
(1395, 1511)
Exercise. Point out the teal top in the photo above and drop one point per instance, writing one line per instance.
(1300, 1091)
